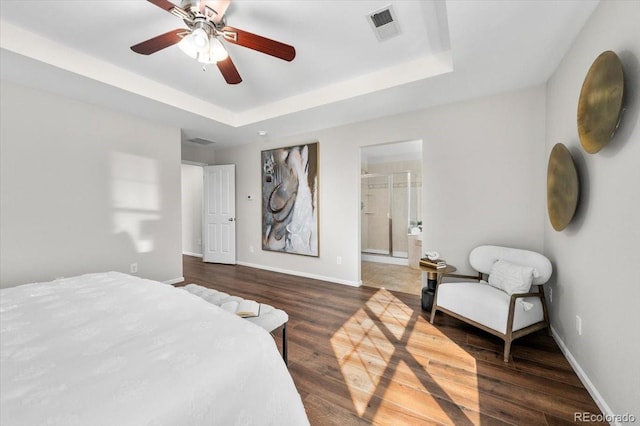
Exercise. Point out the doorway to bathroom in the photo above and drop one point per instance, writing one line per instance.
(390, 214)
(390, 199)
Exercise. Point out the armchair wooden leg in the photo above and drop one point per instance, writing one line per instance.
(545, 310)
(433, 313)
(507, 349)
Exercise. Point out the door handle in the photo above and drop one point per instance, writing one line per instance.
(231, 219)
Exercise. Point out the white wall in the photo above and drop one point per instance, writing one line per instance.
(192, 184)
(597, 256)
(198, 154)
(483, 182)
(85, 189)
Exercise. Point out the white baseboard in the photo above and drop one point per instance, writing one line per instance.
(174, 281)
(192, 254)
(588, 384)
(303, 274)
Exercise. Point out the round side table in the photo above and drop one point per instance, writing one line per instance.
(434, 276)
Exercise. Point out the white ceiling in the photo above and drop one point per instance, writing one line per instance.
(446, 52)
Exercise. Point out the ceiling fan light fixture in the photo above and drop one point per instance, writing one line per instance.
(217, 50)
(216, 53)
(200, 39)
(188, 47)
(196, 43)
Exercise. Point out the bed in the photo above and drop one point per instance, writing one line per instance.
(113, 349)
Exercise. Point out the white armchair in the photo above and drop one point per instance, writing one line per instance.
(511, 304)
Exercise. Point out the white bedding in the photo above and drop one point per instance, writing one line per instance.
(111, 349)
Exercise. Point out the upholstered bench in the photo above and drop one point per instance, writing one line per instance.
(269, 317)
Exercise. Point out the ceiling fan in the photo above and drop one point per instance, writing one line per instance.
(206, 27)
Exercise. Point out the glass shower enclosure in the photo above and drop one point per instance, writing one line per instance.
(388, 211)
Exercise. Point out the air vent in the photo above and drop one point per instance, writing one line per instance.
(381, 18)
(201, 141)
(384, 23)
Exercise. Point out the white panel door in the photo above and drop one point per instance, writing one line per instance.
(219, 215)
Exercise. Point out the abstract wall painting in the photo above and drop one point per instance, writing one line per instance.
(290, 199)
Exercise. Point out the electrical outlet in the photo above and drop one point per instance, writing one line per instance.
(579, 325)
(133, 268)
(339, 260)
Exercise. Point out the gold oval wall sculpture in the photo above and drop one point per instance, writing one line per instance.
(600, 103)
(562, 187)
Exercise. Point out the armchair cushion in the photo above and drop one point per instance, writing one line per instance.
(482, 259)
(487, 305)
(511, 278)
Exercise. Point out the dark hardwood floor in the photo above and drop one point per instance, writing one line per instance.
(364, 356)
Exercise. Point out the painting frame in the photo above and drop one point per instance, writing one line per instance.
(290, 184)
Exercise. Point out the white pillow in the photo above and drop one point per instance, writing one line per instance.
(511, 278)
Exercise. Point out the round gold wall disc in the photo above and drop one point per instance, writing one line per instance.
(562, 187)
(600, 102)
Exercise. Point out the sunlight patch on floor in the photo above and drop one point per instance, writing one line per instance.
(428, 343)
(406, 390)
(365, 348)
(446, 363)
(391, 311)
(359, 336)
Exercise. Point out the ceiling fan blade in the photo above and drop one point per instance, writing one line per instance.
(229, 71)
(163, 4)
(219, 6)
(259, 43)
(173, 9)
(160, 42)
